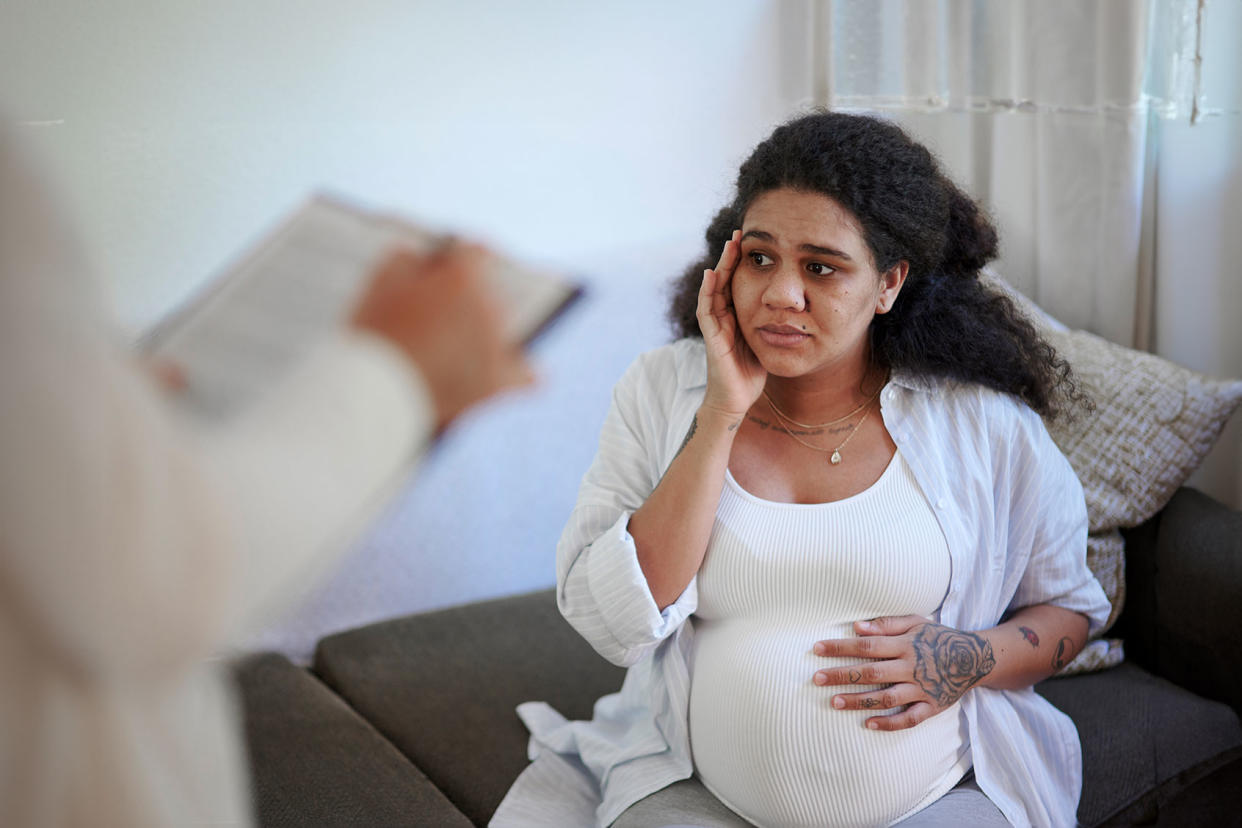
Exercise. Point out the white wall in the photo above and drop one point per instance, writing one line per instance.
(1199, 272)
(555, 128)
(597, 137)
(1198, 308)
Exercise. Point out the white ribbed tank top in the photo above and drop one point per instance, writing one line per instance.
(778, 577)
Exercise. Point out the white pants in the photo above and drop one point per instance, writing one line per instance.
(687, 804)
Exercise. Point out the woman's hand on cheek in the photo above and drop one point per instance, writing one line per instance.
(734, 376)
(926, 667)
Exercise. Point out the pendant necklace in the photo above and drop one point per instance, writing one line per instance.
(835, 457)
(792, 421)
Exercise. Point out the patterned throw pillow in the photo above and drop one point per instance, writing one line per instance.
(1153, 424)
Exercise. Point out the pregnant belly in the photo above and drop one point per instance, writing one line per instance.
(768, 743)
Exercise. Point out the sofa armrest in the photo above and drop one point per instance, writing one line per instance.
(315, 761)
(443, 687)
(1183, 613)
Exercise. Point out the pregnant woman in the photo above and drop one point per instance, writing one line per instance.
(826, 530)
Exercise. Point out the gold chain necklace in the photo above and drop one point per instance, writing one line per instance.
(792, 421)
(835, 457)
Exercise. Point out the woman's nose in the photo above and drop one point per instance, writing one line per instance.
(784, 291)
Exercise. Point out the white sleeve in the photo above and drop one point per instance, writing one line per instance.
(305, 471)
(128, 543)
(602, 591)
(1048, 511)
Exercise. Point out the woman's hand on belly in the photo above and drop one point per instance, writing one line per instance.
(926, 666)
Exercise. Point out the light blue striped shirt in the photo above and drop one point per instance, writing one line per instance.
(1013, 516)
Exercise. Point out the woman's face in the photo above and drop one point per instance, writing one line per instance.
(806, 288)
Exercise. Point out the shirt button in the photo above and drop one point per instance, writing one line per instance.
(940, 504)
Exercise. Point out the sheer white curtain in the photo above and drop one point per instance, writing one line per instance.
(1078, 123)
(1042, 109)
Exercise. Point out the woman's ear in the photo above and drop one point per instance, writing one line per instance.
(890, 285)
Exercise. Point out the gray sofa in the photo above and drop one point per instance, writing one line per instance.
(411, 721)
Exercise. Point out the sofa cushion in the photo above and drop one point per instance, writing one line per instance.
(1154, 422)
(1144, 739)
(443, 686)
(316, 762)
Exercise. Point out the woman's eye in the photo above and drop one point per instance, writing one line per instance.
(820, 269)
(758, 258)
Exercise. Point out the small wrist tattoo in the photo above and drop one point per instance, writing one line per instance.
(694, 425)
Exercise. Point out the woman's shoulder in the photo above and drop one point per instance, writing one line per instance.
(660, 391)
(973, 422)
(996, 411)
(678, 365)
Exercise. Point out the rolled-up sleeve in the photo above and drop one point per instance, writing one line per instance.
(601, 588)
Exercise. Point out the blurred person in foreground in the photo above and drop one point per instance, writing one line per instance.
(133, 549)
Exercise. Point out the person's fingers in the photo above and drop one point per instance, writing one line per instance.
(516, 371)
(914, 714)
(723, 257)
(404, 262)
(728, 253)
(877, 646)
(440, 308)
(886, 698)
(730, 256)
(889, 625)
(443, 247)
(870, 672)
(720, 297)
(468, 255)
(721, 300)
(525, 375)
(169, 375)
(452, 265)
(708, 323)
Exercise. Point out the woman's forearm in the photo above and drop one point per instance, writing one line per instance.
(672, 527)
(1032, 645)
(925, 667)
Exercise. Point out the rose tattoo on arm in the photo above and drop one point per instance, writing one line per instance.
(949, 662)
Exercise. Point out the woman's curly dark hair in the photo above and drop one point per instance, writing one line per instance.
(945, 322)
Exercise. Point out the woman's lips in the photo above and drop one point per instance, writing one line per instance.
(783, 336)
